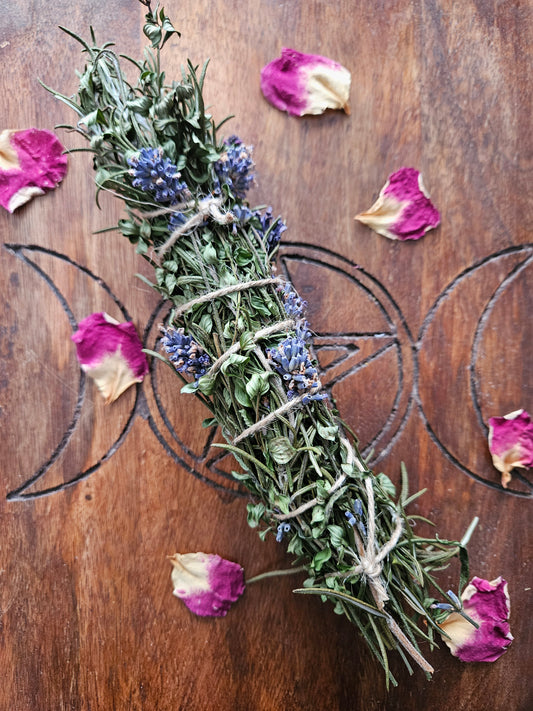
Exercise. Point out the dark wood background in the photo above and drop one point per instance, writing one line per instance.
(421, 345)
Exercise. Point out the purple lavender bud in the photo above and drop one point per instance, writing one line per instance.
(152, 172)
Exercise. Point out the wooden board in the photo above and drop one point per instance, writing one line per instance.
(420, 343)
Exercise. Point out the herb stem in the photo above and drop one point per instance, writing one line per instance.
(276, 573)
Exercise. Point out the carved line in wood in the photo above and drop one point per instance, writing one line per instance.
(397, 338)
(525, 250)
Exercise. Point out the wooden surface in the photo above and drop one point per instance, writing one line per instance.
(421, 345)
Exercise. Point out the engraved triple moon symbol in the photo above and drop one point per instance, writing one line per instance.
(360, 337)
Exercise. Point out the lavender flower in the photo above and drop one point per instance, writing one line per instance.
(185, 354)
(356, 520)
(291, 360)
(293, 304)
(268, 229)
(235, 167)
(154, 173)
(243, 214)
(271, 230)
(177, 219)
(282, 528)
(351, 518)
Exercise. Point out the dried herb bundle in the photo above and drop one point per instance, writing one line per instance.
(238, 338)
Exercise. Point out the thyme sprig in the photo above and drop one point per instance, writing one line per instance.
(309, 485)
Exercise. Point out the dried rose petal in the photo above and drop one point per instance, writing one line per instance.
(511, 442)
(403, 209)
(31, 161)
(487, 603)
(305, 83)
(207, 584)
(111, 353)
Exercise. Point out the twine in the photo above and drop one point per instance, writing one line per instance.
(309, 504)
(265, 421)
(371, 567)
(263, 333)
(208, 207)
(370, 564)
(242, 286)
(350, 459)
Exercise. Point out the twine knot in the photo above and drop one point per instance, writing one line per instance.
(370, 558)
(208, 207)
(370, 568)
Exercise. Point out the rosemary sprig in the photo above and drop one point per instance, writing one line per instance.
(154, 145)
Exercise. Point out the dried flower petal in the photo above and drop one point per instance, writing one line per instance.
(403, 209)
(31, 161)
(305, 83)
(487, 603)
(207, 584)
(511, 442)
(111, 353)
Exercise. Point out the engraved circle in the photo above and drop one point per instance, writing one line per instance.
(351, 353)
(470, 376)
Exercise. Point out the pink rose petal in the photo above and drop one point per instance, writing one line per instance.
(511, 442)
(31, 162)
(403, 210)
(111, 353)
(488, 604)
(207, 584)
(305, 83)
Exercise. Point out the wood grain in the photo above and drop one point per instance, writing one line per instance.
(421, 343)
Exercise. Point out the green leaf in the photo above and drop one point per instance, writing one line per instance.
(295, 546)
(259, 306)
(209, 422)
(153, 32)
(145, 230)
(387, 485)
(320, 558)
(336, 535)
(141, 105)
(240, 476)
(247, 341)
(241, 395)
(255, 513)
(170, 282)
(189, 388)
(257, 385)
(206, 323)
(171, 265)
(234, 359)
(322, 491)
(329, 433)
(280, 501)
(242, 256)
(318, 514)
(210, 254)
(281, 450)
(206, 384)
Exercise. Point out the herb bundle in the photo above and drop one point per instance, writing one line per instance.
(238, 339)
